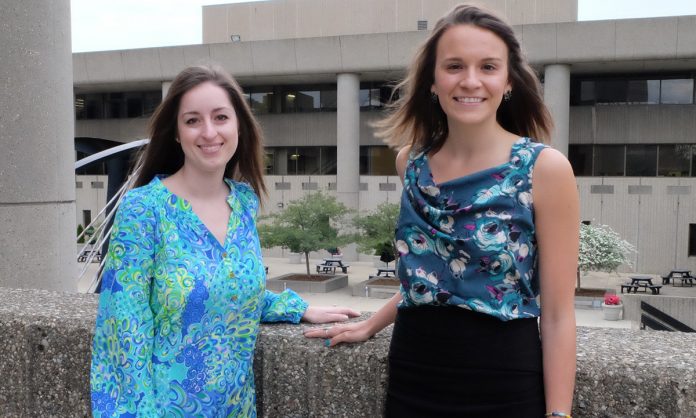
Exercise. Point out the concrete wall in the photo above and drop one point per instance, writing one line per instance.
(45, 343)
(681, 309)
(656, 44)
(657, 223)
(90, 196)
(288, 19)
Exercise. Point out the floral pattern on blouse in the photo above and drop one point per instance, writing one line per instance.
(470, 242)
(179, 312)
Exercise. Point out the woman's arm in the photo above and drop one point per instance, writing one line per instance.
(556, 211)
(358, 331)
(121, 372)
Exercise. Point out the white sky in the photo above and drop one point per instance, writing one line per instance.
(101, 25)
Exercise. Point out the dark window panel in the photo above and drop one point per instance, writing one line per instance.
(608, 160)
(328, 100)
(377, 161)
(641, 160)
(580, 157)
(692, 240)
(674, 160)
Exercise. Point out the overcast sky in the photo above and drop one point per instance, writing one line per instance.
(101, 25)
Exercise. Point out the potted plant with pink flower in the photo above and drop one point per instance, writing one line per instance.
(612, 307)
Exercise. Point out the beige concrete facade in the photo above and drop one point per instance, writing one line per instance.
(656, 221)
(291, 19)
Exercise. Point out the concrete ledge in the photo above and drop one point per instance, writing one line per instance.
(332, 282)
(45, 341)
(368, 289)
(682, 309)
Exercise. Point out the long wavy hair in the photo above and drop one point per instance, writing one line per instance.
(163, 155)
(415, 119)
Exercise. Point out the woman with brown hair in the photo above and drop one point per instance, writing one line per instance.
(478, 245)
(183, 290)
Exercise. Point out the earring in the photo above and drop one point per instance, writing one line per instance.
(433, 97)
(177, 139)
(507, 95)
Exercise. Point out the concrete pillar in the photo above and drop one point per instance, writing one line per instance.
(557, 98)
(281, 160)
(165, 88)
(37, 175)
(348, 140)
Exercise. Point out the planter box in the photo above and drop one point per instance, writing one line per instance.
(290, 281)
(612, 312)
(378, 291)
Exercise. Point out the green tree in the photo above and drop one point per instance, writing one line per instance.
(80, 239)
(309, 224)
(376, 231)
(602, 249)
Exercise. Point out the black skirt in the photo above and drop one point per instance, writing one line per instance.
(452, 362)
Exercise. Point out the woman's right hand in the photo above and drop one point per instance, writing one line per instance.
(353, 332)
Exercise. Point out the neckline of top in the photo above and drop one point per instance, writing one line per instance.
(523, 140)
(159, 184)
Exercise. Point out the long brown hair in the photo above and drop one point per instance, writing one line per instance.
(415, 119)
(163, 155)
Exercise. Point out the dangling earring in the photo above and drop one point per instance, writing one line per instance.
(433, 97)
(507, 95)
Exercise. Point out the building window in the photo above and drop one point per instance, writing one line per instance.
(674, 160)
(261, 102)
(608, 160)
(118, 105)
(631, 90)
(86, 217)
(678, 91)
(377, 161)
(373, 96)
(580, 157)
(300, 160)
(641, 160)
(692, 240)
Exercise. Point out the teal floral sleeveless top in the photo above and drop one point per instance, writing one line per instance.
(470, 242)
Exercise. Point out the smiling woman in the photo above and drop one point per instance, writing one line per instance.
(183, 288)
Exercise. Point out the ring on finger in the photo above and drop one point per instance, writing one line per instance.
(326, 332)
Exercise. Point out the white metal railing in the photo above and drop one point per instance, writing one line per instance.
(102, 229)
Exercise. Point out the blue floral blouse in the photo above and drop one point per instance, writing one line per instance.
(470, 242)
(179, 312)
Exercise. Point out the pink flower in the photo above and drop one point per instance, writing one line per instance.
(612, 300)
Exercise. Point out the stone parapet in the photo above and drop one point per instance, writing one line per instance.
(45, 340)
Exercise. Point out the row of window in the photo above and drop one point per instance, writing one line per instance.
(375, 95)
(668, 160)
(312, 98)
(374, 161)
(132, 104)
(632, 90)
(269, 99)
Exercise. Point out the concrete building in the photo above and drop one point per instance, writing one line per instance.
(317, 72)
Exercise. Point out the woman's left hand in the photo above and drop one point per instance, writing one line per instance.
(324, 314)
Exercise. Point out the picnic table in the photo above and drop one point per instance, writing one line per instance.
(684, 276)
(388, 272)
(92, 253)
(331, 264)
(641, 282)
